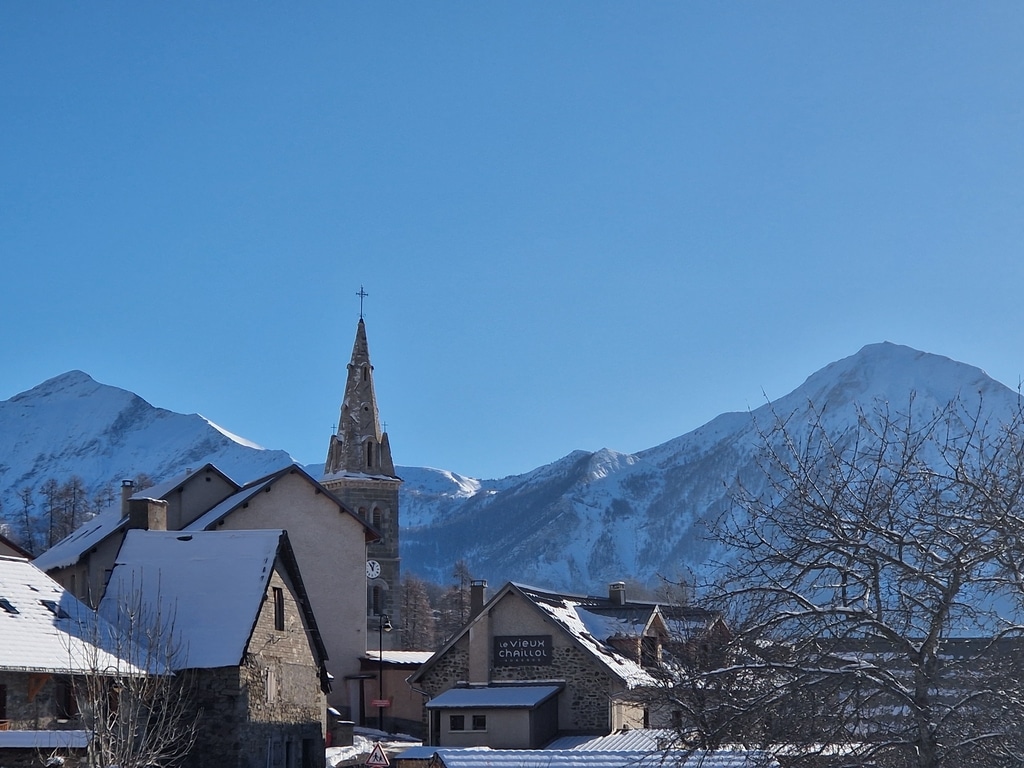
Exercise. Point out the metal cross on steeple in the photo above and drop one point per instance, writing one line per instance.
(362, 295)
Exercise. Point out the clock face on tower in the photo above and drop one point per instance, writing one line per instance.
(372, 569)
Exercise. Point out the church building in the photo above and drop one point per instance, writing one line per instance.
(359, 471)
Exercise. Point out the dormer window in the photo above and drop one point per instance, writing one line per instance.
(6, 605)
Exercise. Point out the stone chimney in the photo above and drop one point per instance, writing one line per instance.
(147, 514)
(127, 489)
(617, 592)
(477, 596)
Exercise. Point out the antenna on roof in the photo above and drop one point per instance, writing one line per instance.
(362, 295)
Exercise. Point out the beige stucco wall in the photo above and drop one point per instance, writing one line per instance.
(506, 729)
(87, 579)
(202, 491)
(330, 548)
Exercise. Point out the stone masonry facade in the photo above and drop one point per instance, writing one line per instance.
(587, 687)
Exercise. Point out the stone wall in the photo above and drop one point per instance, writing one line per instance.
(31, 701)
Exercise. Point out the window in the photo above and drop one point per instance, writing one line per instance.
(278, 608)
(6, 605)
(456, 722)
(55, 609)
(271, 685)
(3, 703)
(377, 518)
(64, 698)
(479, 722)
(377, 601)
(369, 453)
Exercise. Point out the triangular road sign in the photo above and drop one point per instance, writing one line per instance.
(377, 758)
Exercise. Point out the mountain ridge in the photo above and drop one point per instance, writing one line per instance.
(584, 519)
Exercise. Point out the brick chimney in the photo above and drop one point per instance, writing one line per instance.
(127, 489)
(477, 596)
(147, 514)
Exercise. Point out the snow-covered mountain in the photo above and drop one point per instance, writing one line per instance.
(576, 523)
(73, 425)
(593, 517)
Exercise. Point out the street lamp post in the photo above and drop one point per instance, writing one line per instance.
(384, 626)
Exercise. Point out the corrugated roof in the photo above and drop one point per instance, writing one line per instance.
(549, 758)
(493, 697)
(44, 628)
(44, 739)
(411, 658)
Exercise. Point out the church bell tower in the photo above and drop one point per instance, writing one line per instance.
(360, 472)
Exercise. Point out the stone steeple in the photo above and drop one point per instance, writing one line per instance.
(359, 471)
(359, 446)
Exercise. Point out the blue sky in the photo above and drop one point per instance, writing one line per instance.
(581, 225)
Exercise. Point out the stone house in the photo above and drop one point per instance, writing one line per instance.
(49, 641)
(243, 629)
(328, 539)
(575, 663)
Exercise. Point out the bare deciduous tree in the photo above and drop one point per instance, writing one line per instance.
(139, 710)
(874, 598)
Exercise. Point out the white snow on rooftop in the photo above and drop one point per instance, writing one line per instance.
(44, 628)
(68, 550)
(567, 613)
(605, 625)
(399, 657)
(212, 584)
(550, 758)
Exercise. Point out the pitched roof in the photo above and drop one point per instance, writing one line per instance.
(591, 621)
(70, 549)
(162, 490)
(211, 583)
(44, 628)
(210, 519)
(550, 758)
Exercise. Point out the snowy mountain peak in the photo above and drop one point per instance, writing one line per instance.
(573, 524)
(70, 384)
(890, 372)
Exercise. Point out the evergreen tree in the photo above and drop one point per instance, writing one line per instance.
(419, 630)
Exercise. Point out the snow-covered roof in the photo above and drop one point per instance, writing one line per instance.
(604, 624)
(409, 658)
(68, 550)
(210, 519)
(211, 583)
(494, 697)
(635, 740)
(44, 628)
(550, 758)
(592, 621)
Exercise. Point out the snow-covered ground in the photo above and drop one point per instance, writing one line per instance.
(362, 743)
